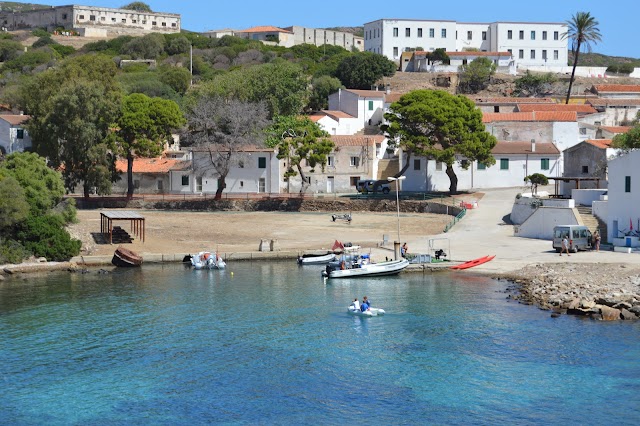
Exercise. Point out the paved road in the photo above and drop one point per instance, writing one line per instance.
(483, 231)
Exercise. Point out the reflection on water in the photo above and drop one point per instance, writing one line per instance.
(271, 343)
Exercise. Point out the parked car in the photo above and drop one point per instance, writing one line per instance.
(579, 237)
(366, 186)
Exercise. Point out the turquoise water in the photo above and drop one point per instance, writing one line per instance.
(272, 344)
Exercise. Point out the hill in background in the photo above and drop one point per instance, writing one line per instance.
(14, 6)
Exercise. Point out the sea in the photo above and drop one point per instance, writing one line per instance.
(272, 343)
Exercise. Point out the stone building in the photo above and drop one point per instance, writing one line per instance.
(91, 21)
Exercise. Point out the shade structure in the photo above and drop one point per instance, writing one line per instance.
(136, 222)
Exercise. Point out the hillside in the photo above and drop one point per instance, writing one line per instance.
(14, 6)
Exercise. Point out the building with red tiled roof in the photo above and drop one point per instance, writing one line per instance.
(581, 109)
(589, 158)
(13, 135)
(616, 90)
(505, 104)
(540, 148)
(600, 143)
(558, 116)
(618, 111)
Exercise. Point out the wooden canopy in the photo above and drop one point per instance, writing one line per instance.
(136, 223)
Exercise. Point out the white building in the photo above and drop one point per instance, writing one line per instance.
(13, 136)
(366, 105)
(514, 161)
(624, 195)
(530, 43)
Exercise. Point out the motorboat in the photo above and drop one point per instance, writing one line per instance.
(126, 258)
(371, 312)
(364, 269)
(315, 259)
(207, 260)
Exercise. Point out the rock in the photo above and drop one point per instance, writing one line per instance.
(626, 315)
(609, 314)
(1, 277)
(555, 315)
(575, 303)
(622, 305)
(41, 260)
(635, 310)
(588, 304)
(606, 301)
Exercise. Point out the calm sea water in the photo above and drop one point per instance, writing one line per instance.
(269, 343)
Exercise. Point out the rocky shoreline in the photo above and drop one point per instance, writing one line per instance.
(607, 292)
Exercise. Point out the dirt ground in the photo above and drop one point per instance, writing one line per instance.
(169, 232)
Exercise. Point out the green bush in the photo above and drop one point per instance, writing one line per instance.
(43, 41)
(39, 32)
(64, 51)
(45, 236)
(12, 252)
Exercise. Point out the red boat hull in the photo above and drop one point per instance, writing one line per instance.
(474, 262)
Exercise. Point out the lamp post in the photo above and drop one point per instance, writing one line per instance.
(397, 181)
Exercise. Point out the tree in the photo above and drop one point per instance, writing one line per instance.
(476, 75)
(362, 70)
(14, 207)
(583, 30)
(149, 46)
(143, 125)
(534, 84)
(301, 142)
(138, 6)
(322, 87)
(438, 56)
(178, 78)
(440, 126)
(77, 123)
(224, 129)
(628, 141)
(535, 180)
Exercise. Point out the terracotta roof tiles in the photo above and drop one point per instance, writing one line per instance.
(616, 129)
(510, 100)
(617, 88)
(148, 165)
(600, 143)
(542, 148)
(13, 119)
(566, 116)
(357, 140)
(579, 108)
(264, 29)
(614, 102)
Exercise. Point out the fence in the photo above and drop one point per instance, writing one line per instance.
(455, 220)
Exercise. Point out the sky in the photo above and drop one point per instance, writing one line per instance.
(616, 19)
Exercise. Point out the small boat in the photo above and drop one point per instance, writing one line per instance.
(371, 312)
(344, 270)
(314, 259)
(474, 262)
(206, 260)
(126, 258)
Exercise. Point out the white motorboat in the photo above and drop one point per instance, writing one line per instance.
(207, 260)
(344, 270)
(315, 259)
(371, 312)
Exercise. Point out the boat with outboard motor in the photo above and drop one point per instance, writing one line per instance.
(206, 260)
(371, 312)
(316, 259)
(342, 269)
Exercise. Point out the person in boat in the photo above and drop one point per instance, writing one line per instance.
(355, 305)
(365, 304)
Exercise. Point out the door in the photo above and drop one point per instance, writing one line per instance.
(330, 185)
(262, 185)
(199, 184)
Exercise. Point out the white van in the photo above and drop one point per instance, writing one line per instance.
(579, 237)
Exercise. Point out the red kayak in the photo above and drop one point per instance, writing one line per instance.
(474, 262)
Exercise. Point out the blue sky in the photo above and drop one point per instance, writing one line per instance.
(617, 19)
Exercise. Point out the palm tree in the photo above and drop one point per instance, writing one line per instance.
(583, 30)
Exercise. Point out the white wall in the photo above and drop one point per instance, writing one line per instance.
(601, 210)
(586, 197)
(541, 223)
(623, 206)
(564, 69)
(522, 209)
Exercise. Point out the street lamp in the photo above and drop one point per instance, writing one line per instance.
(397, 181)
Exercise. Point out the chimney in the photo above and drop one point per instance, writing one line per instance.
(388, 89)
(533, 145)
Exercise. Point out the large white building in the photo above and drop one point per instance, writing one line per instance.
(530, 43)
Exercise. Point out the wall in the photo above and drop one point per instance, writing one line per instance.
(541, 223)
(9, 141)
(522, 209)
(600, 209)
(587, 155)
(318, 37)
(623, 206)
(344, 101)
(559, 69)
(586, 197)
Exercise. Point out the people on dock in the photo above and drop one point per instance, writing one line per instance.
(596, 240)
(403, 250)
(565, 245)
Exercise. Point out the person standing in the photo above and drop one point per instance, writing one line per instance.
(403, 250)
(565, 245)
(596, 239)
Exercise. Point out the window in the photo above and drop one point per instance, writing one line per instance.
(159, 185)
(583, 130)
(439, 166)
(504, 164)
(544, 35)
(482, 166)
(370, 105)
(544, 55)
(144, 22)
(544, 164)
(185, 180)
(469, 35)
(395, 51)
(164, 24)
(20, 134)
(521, 35)
(113, 19)
(154, 23)
(443, 33)
(64, 16)
(510, 52)
(520, 54)
(533, 35)
(262, 162)
(533, 54)
(330, 161)
(407, 32)
(484, 35)
(585, 170)
(262, 185)
(432, 32)
(80, 16)
(510, 34)
(555, 35)
(103, 18)
(124, 21)
(134, 21)
(395, 32)
(136, 183)
(555, 55)
(92, 17)
(355, 161)
(353, 180)
(416, 164)
(627, 184)
(419, 32)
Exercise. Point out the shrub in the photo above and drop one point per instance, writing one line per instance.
(39, 32)
(43, 41)
(44, 236)
(12, 252)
